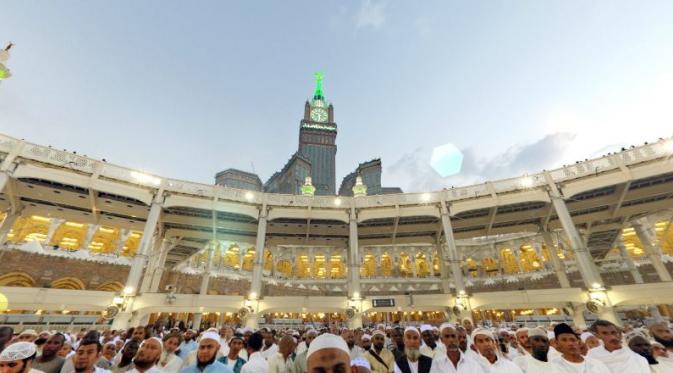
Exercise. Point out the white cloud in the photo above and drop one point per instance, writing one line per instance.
(371, 14)
(413, 173)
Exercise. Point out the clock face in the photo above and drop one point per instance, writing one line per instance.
(319, 115)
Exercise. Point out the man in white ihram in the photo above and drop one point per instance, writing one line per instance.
(612, 353)
(484, 342)
(453, 360)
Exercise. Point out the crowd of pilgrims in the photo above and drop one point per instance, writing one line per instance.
(602, 348)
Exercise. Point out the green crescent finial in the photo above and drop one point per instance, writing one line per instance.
(318, 85)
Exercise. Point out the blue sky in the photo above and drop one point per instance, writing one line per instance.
(187, 89)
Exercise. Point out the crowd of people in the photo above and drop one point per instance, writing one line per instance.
(602, 348)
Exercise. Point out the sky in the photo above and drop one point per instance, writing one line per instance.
(186, 89)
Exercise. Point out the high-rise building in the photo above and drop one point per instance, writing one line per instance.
(315, 157)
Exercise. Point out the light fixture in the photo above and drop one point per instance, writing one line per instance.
(526, 182)
(144, 178)
(668, 146)
(425, 197)
(249, 196)
(128, 290)
(596, 286)
(253, 295)
(337, 202)
(118, 300)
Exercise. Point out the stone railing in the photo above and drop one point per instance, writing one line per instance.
(64, 159)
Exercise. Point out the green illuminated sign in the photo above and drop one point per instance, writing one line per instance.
(316, 126)
(318, 84)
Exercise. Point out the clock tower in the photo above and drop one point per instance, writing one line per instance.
(317, 140)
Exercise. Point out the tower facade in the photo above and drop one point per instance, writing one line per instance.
(317, 140)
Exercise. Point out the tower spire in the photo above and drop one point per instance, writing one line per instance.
(318, 86)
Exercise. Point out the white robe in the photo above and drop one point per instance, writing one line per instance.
(620, 361)
(662, 367)
(529, 364)
(561, 365)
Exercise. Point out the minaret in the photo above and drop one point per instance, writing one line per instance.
(317, 140)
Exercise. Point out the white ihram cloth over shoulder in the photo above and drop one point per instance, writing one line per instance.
(502, 365)
(662, 367)
(272, 350)
(442, 364)
(529, 364)
(256, 364)
(620, 361)
(153, 369)
(561, 365)
(278, 364)
(413, 367)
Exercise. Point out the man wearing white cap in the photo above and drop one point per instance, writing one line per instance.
(349, 338)
(300, 358)
(366, 342)
(18, 358)
(522, 341)
(148, 356)
(380, 358)
(430, 346)
(453, 360)
(537, 360)
(612, 353)
(484, 342)
(206, 355)
(412, 361)
(328, 353)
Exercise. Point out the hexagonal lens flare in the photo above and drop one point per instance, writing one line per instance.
(446, 160)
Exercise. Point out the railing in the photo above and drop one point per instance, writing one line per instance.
(644, 153)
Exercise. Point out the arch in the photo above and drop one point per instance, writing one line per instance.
(70, 283)
(114, 286)
(18, 279)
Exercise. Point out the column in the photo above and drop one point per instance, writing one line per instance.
(133, 279)
(412, 263)
(648, 237)
(7, 165)
(256, 285)
(7, 225)
(555, 260)
(159, 265)
(451, 249)
(123, 236)
(311, 262)
(90, 233)
(54, 223)
(583, 258)
(378, 271)
(624, 253)
(353, 257)
(585, 264)
(328, 265)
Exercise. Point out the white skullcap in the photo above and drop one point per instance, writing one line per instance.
(311, 332)
(584, 336)
(212, 330)
(658, 344)
(327, 340)
(521, 330)
(426, 328)
(248, 329)
(389, 327)
(551, 335)
(380, 326)
(361, 362)
(536, 332)
(210, 335)
(435, 329)
(411, 329)
(482, 331)
(18, 351)
(366, 337)
(446, 325)
(161, 343)
(239, 331)
(379, 332)
(29, 332)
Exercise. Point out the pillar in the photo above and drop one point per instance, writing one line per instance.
(353, 257)
(205, 278)
(648, 237)
(159, 266)
(635, 273)
(54, 223)
(133, 279)
(451, 249)
(7, 225)
(90, 233)
(578, 316)
(256, 284)
(555, 260)
(124, 235)
(196, 321)
(152, 264)
(583, 258)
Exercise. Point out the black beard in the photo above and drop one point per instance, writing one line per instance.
(351, 344)
(539, 355)
(668, 343)
(432, 346)
(202, 365)
(143, 364)
(367, 348)
(650, 359)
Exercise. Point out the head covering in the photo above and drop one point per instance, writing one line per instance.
(563, 328)
(482, 331)
(658, 344)
(426, 328)
(210, 335)
(584, 336)
(379, 332)
(366, 337)
(18, 351)
(522, 330)
(327, 340)
(446, 325)
(161, 343)
(411, 329)
(311, 332)
(634, 334)
(248, 329)
(551, 335)
(361, 362)
(29, 332)
(536, 332)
